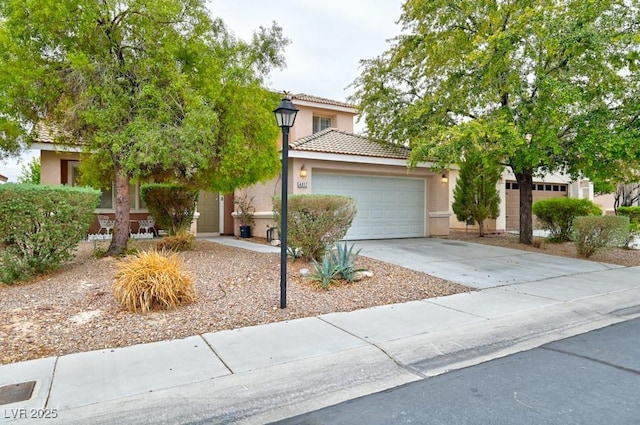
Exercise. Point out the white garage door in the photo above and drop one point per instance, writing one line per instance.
(388, 207)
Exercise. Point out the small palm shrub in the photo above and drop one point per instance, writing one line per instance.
(558, 214)
(593, 233)
(183, 241)
(152, 281)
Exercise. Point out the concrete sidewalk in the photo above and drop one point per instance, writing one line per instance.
(270, 372)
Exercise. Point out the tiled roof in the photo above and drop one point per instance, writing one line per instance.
(317, 99)
(3, 178)
(47, 133)
(332, 140)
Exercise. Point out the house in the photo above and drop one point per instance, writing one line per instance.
(326, 157)
(59, 166)
(3, 179)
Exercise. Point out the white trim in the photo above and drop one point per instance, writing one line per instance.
(261, 214)
(319, 105)
(55, 148)
(360, 159)
(439, 214)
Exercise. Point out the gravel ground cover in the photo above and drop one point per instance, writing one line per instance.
(620, 256)
(74, 310)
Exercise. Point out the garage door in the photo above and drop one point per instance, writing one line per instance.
(388, 207)
(540, 191)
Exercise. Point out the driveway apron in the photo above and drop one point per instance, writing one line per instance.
(475, 265)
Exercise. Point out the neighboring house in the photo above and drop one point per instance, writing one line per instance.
(554, 185)
(627, 193)
(325, 157)
(3, 179)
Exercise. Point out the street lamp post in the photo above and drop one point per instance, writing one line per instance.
(285, 117)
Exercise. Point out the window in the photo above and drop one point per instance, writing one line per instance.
(73, 173)
(508, 185)
(547, 187)
(106, 198)
(563, 188)
(540, 187)
(321, 123)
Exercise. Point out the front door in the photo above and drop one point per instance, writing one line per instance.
(209, 220)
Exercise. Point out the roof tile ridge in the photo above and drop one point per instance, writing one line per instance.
(306, 139)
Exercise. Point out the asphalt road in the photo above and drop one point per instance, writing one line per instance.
(593, 378)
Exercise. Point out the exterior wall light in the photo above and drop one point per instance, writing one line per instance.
(303, 171)
(444, 178)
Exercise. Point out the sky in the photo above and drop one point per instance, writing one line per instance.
(328, 40)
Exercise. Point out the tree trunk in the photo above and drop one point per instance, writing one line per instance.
(123, 207)
(525, 182)
(481, 226)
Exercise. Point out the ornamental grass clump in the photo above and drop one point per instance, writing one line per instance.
(152, 281)
(183, 241)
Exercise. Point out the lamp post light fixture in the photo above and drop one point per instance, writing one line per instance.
(285, 117)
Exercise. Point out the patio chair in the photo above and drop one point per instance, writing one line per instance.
(147, 225)
(105, 224)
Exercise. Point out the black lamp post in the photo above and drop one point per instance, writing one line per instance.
(285, 117)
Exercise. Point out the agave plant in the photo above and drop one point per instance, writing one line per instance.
(325, 272)
(344, 260)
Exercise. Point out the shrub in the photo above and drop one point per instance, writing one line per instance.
(152, 281)
(171, 205)
(336, 264)
(324, 272)
(634, 222)
(557, 215)
(316, 222)
(245, 210)
(595, 232)
(41, 226)
(180, 242)
(632, 212)
(345, 261)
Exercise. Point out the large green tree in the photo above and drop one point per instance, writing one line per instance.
(541, 85)
(153, 90)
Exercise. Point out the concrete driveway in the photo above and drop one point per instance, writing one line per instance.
(475, 265)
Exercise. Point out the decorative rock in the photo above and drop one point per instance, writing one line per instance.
(275, 242)
(305, 272)
(358, 276)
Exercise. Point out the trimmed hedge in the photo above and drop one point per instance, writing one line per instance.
(41, 226)
(595, 232)
(172, 205)
(315, 222)
(558, 214)
(632, 212)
